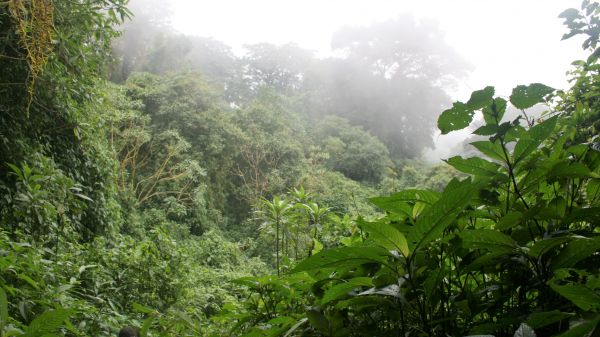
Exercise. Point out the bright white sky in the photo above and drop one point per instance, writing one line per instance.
(509, 42)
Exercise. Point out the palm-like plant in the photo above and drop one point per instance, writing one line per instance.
(316, 216)
(274, 214)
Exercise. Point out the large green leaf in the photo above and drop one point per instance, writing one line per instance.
(495, 111)
(572, 170)
(481, 98)
(474, 165)
(577, 250)
(580, 295)
(490, 149)
(343, 257)
(541, 319)
(509, 220)
(408, 195)
(567, 283)
(47, 323)
(582, 329)
(456, 118)
(535, 136)
(543, 246)
(342, 289)
(386, 236)
(526, 96)
(432, 222)
(489, 239)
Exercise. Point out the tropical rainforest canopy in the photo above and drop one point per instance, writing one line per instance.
(161, 181)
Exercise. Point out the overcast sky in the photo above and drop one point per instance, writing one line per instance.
(508, 42)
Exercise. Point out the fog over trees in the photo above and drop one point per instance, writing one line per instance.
(389, 77)
(161, 184)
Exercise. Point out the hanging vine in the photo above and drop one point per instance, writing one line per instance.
(34, 21)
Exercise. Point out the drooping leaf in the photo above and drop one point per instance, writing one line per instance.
(584, 328)
(489, 239)
(543, 246)
(535, 136)
(509, 220)
(490, 149)
(572, 170)
(474, 165)
(342, 289)
(526, 96)
(47, 323)
(343, 257)
(581, 296)
(386, 236)
(577, 250)
(433, 221)
(456, 118)
(143, 309)
(408, 195)
(541, 319)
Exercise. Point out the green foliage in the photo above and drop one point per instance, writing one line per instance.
(351, 151)
(510, 251)
(118, 202)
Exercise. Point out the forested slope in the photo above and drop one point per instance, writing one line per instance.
(158, 180)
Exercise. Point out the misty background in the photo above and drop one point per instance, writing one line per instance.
(390, 67)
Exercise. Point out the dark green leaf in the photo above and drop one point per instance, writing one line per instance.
(510, 220)
(577, 250)
(582, 329)
(541, 319)
(343, 256)
(342, 289)
(489, 239)
(582, 296)
(543, 246)
(456, 118)
(535, 136)
(408, 195)
(433, 220)
(526, 96)
(481, 98)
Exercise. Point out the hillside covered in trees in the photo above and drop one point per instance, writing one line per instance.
(163, 181)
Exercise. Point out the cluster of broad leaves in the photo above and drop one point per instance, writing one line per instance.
(510, 250)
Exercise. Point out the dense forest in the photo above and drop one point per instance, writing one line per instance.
(161, 181)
